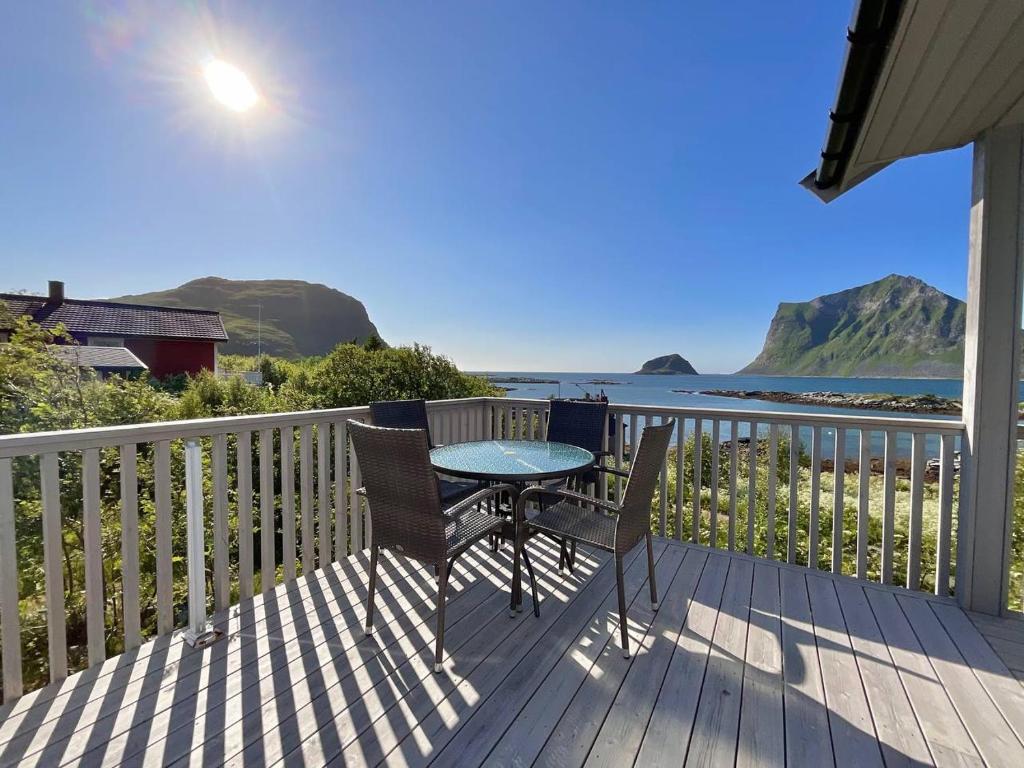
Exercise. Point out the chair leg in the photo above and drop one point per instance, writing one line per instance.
(442, 589)
(620, 584)
(650, 571)
(516, 576)
(533, 583)
(371, 594)
(571, 558)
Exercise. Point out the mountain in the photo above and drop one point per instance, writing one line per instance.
(897, 326)
(667, 364)
(298, 318)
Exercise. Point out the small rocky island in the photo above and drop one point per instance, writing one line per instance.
(667, 365)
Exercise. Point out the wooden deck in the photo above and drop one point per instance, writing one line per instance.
(747, 662)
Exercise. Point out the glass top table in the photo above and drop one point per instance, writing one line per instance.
(511, 461)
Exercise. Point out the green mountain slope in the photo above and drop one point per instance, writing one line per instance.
(897, 326)
(299, 318)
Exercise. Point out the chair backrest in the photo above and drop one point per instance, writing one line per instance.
(401, 489)
(577, 423)
(645, 465)
(401, 414)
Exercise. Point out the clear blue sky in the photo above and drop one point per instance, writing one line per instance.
(528, 185)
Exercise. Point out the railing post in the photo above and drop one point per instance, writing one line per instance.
(198, 632)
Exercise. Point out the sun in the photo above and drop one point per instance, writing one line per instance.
(230, 86)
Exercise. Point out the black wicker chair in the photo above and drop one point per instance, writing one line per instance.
(407, 514)
(580, 423)
(412, 414)
(611, 527)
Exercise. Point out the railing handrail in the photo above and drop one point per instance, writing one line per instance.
(804, 418)
(33, 443)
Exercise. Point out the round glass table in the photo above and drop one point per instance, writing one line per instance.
(516, 462)
(511, 461)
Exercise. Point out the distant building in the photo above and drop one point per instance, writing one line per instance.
(105, 361)
(166, 340)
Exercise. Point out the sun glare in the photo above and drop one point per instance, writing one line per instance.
(230, 86)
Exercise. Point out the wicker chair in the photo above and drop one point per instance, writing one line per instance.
(579, 423)
(611, 527)
(412, 414)
(407, 513)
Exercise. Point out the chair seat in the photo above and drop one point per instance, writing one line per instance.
(454, 491)
(573, 521)
(467, 527)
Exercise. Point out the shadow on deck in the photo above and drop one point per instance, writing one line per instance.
(748, 661)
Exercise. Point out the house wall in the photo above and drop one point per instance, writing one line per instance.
(168, 357)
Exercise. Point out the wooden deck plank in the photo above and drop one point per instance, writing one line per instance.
(419, 692)
(808, 741)
(434, 729)
(992, 673)
(818, 668)
(526, 734)
(486, 727)
(86, 698)
(623, 729)
(899, 734)
(571, 740)
(854, 742)
(716, 727)
(171, 707)
(947, 739)
(762, 722)
(364, 679)
(668, 732)
(995, 741)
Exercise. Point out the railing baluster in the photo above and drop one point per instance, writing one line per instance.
(734, 454)
(838, 500)
(164, 563)
(288, 502)
(487, 413)
(814, 524)
(130, 546)
(889, 508)
(773, 470)
(93, 540)
(698, 471)
(680, 458)
(716, 434)
(268, 566)
(53, 569)
(340, 494)
(751, 487)
(916, 508)
(219, 468)
(306, 496)
(601, 478)
(794, 477)
(243, 460)
(863, 503)
(945, 521)
(10, 619)
(663, 495)
(323, 493)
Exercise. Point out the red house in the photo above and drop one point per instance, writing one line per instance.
(168, 340)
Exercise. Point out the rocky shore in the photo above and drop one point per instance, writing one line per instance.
(930, 404)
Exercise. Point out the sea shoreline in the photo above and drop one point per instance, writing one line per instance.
(919, 404)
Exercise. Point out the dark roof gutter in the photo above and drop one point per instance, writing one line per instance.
(868, 39)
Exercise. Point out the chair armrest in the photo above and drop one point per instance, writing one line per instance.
(602, 454)
(580, 498)
(612, 471)
(477, 497)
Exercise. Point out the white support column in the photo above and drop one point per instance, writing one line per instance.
(991, 369)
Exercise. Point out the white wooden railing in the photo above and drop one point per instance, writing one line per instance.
(204, 487)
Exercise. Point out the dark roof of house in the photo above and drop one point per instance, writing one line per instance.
(96, 357)
(113, 319)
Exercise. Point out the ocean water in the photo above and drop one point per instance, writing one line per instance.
(658, 390)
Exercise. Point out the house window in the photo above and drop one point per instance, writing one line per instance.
(105, 341)
(4, 337)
